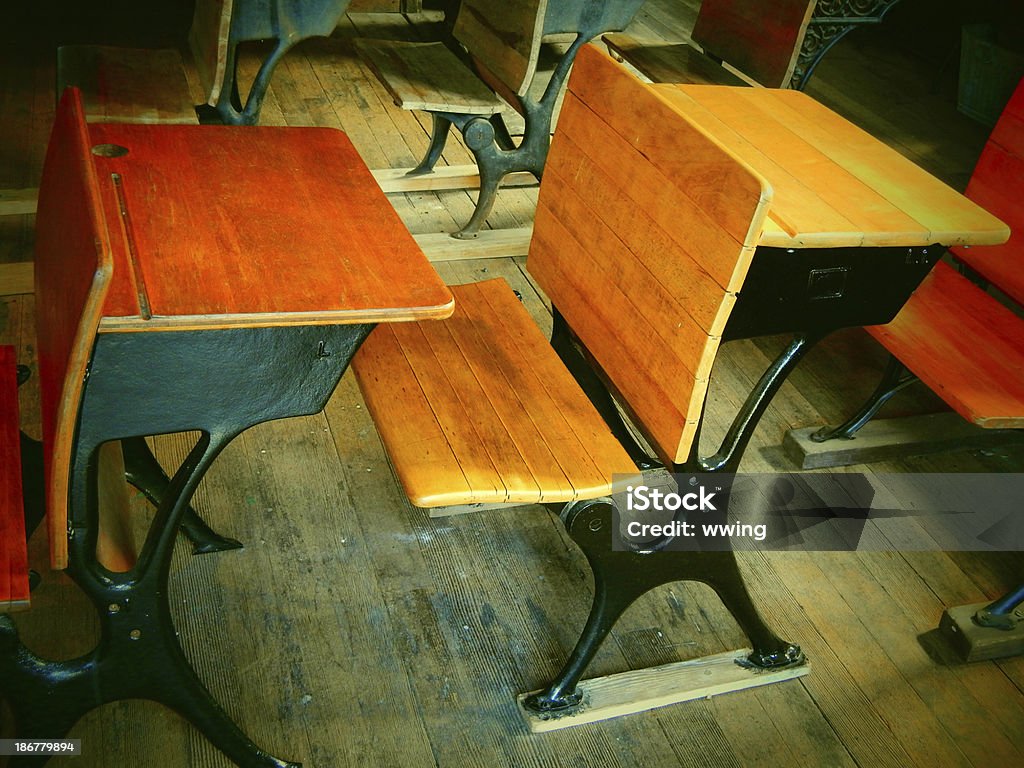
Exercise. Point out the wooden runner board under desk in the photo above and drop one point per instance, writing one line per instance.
(212, 254)
(834, 184)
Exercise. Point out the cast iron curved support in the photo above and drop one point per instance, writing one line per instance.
(229, 109)
(495, 152)
(502, 137)
(246, 376)
(138, 655)
(895, 378)
(727, 457)
(439, 128)
(831, 22)
(620, 577)
(144, 472)
(492, 163)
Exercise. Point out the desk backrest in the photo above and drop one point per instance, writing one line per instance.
(997, 185)
(208, 40)
(761, 39)
(503, 37)
(644, 231)
(73, 267)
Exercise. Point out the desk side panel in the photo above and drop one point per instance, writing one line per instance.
(73, 265)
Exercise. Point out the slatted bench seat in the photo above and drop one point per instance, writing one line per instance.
(760, 40)
(965, 344)
(502, 42)
(14, 585)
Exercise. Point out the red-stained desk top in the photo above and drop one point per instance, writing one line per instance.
(216, 226)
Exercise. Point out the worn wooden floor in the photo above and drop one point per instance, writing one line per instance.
(353, 630)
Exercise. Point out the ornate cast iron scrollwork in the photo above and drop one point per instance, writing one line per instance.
(833, 20)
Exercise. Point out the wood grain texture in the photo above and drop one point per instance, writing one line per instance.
(834, 184)
(504, 36)
(14, 594)
(429, 77)
(208, 42)
(16, 278)
(15, 202)
(643, 234)
(115, 544)
(73, 268)
(393, 180)
(127, 85)
(997, 185)
(967, 347)
(627, 693)
(475, 425)
(208, 249)
(760, 39)
(669, 63)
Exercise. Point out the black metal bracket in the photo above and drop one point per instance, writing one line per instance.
(144, 472)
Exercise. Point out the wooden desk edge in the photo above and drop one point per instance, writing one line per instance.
(273, 320)
(779, 238)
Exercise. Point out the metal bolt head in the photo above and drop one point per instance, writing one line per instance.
(114, 608)
(135, 634)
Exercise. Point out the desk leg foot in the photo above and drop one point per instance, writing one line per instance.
(144, 472)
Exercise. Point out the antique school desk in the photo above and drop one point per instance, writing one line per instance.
(187, 278)
(671, 218)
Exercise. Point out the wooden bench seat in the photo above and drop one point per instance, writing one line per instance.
(141, 85)
(14, 587)
(960, 341)
(487, 429)
(760, 40)
(964, 345)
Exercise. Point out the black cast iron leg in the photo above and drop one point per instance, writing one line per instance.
(144, 472)
(138, 655)
(895, 378)
(620, 577)
(438, 138)
(728, 456)
(479, 135)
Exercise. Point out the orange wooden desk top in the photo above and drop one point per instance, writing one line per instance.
(833, 184)
(216, 227)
